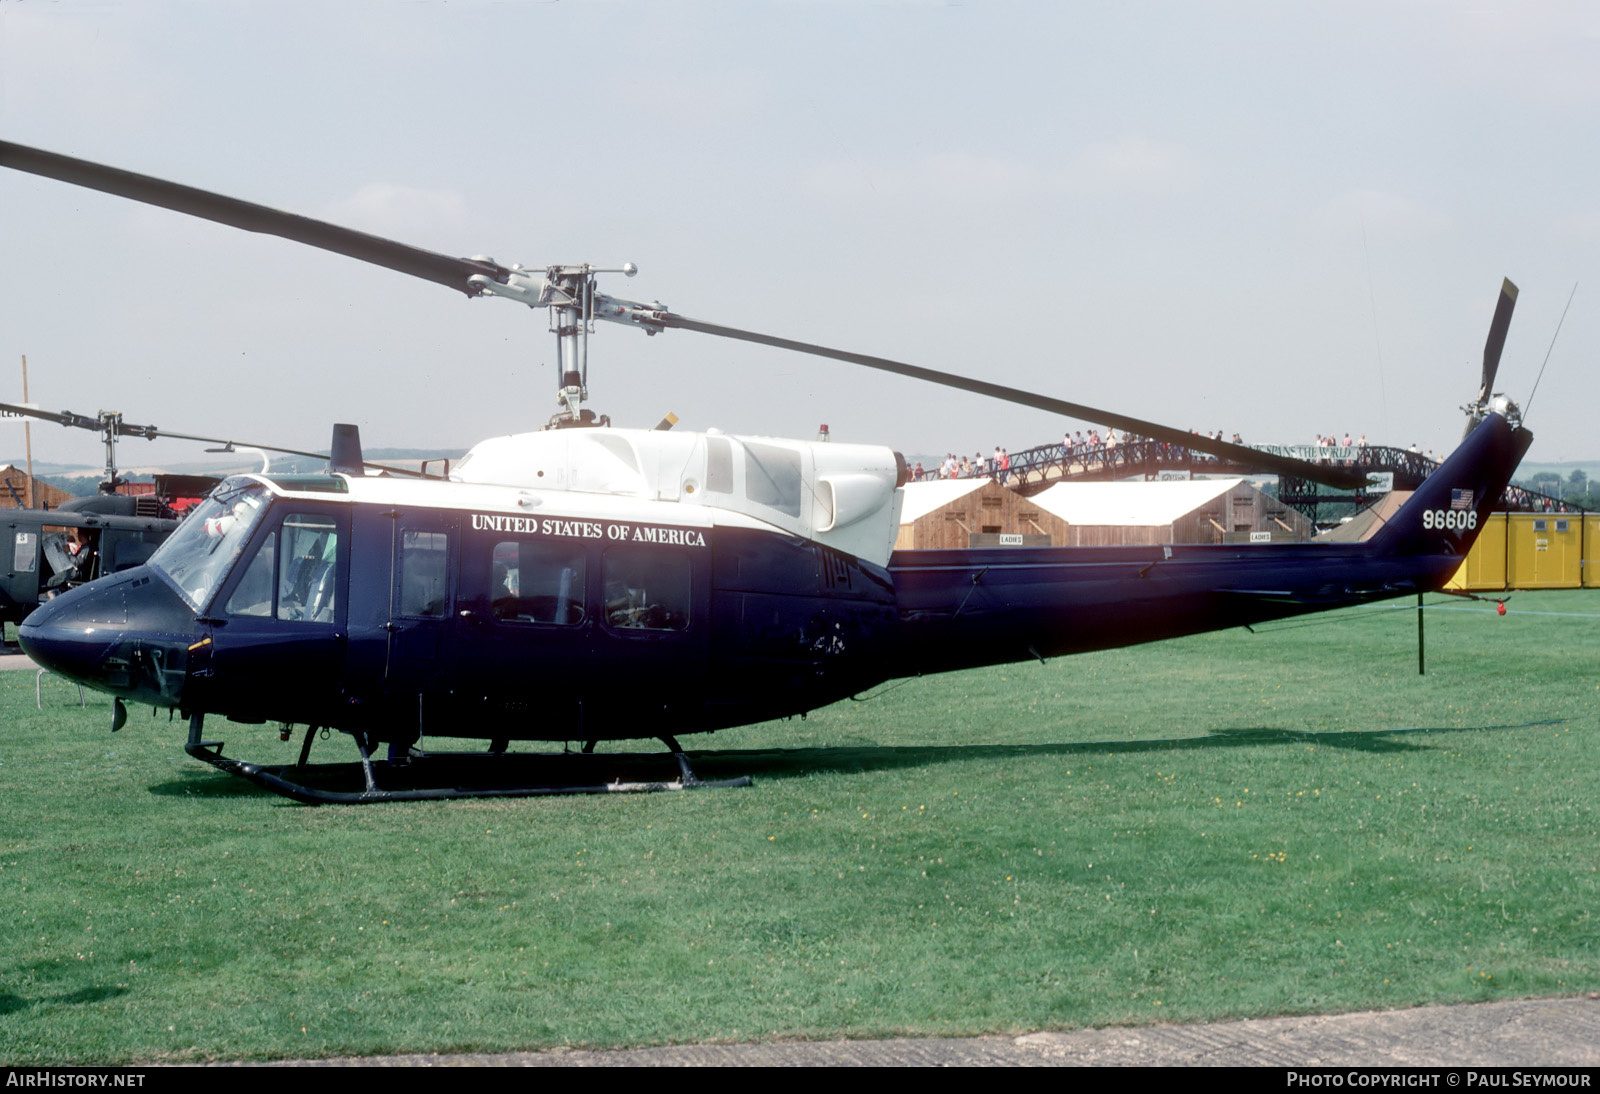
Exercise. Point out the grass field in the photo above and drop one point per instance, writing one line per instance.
(1239, 824)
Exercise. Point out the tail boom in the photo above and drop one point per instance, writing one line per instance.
(965, 608)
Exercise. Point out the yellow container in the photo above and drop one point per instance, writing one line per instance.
(1544, 550)
(1484, 568)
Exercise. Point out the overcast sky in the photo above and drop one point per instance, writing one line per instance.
(1275, 218)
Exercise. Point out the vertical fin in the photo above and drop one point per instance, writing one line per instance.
(1445, 514)
(345, 450)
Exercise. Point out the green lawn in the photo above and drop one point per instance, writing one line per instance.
(1231, 825)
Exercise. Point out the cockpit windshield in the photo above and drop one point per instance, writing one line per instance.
(201, 552)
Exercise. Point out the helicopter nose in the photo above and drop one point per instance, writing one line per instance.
(127, 635)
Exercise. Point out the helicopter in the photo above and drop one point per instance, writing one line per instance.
(592, 583)
(51, 550)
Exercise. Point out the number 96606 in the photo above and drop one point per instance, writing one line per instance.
(1454, 520)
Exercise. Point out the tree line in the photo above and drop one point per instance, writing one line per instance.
(1575, 489)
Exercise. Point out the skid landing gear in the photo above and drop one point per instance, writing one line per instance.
(435, 776)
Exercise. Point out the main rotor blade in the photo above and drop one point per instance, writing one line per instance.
(1497, 337)
(65, 418)
(428, 265)
(1281, 465)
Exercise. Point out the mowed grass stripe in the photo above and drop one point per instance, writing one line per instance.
(1235, 824)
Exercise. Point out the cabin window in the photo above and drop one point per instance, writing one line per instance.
(293, 574)
(424, 574)
(23, 558)
(646, 589)
(537, 582)
(772, 477)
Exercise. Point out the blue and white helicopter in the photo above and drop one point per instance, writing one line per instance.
(590, 583)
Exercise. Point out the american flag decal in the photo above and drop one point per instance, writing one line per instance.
(1461, 499)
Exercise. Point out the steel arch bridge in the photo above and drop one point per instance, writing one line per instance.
(1038, 468)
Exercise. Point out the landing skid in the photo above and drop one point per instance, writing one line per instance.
(436, 776)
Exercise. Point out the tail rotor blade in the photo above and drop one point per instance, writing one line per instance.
(1497, 338)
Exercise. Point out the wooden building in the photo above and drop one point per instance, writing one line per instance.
(1109, 514)
(1365, 524)
(14, 490)
(957, 513)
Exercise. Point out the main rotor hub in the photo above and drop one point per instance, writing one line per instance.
(575, 304)
(1497, 403)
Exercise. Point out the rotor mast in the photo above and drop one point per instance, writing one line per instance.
(110, 425)
(107, 423)
(575, 304)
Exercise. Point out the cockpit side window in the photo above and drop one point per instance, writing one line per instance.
(308, 566)
(253, 594)
(293, 574)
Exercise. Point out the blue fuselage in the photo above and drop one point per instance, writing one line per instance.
(319, 608)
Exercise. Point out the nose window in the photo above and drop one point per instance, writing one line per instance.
(202, 551)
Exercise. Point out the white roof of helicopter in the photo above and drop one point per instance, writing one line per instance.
(843, 496)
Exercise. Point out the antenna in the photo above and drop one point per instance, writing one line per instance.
(1547, 352)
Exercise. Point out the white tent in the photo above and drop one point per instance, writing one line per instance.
(1131, 503)
(922, 498)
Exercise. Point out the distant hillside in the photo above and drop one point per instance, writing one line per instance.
(76, 486)
(1528, 469)
(211, 464)
(243, 461)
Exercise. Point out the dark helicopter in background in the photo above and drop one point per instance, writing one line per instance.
(49, 551)
(593, 583)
